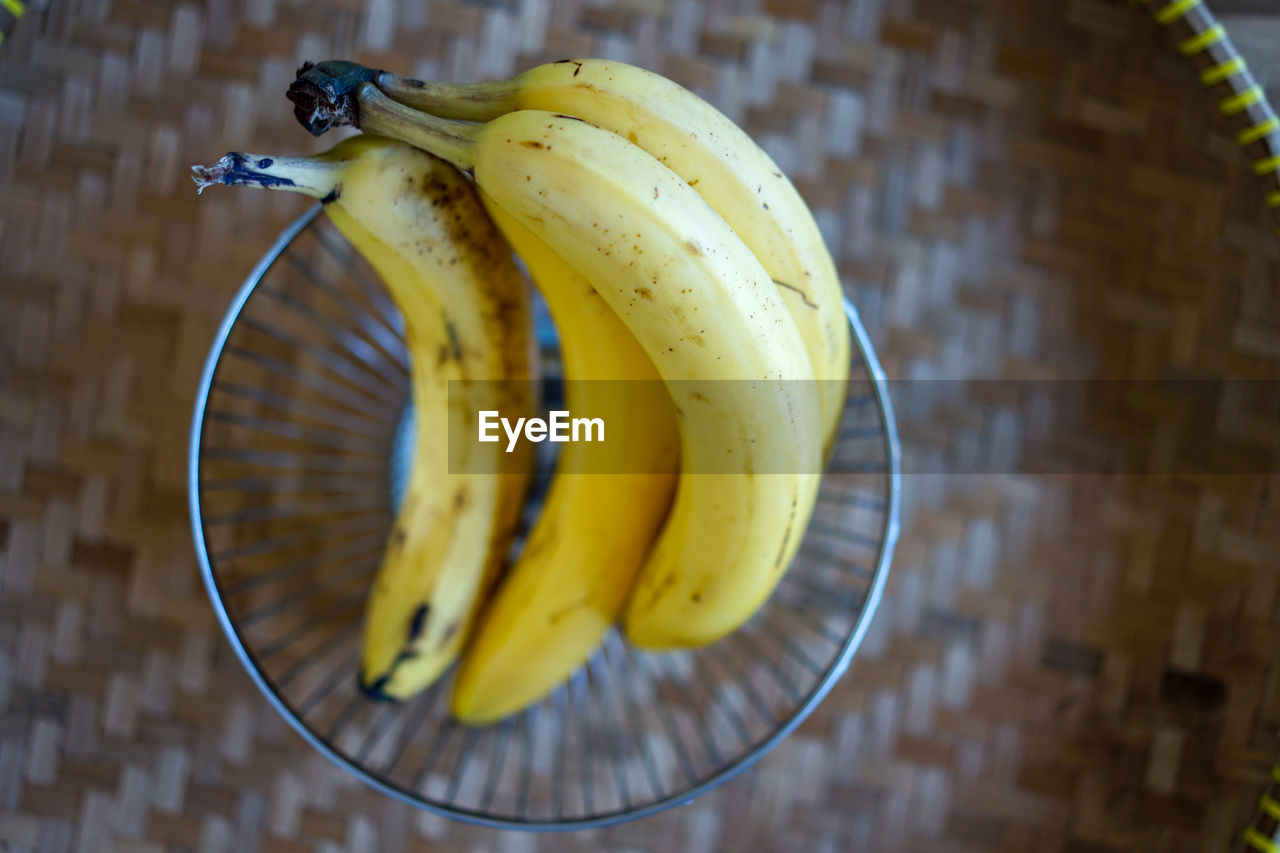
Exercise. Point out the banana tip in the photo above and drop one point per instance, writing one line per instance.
(375, 690)
(207, 176)
(236, 169)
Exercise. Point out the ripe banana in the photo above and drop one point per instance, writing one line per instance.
(420, 225)
(703, 308)
(597, 525)
(697, 142)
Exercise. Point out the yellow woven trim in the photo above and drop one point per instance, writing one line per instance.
(1206, 39)
(1259, 130)
(1241, 102)
(1222, 71)
(1271, 164)
(1175, 10)
(14, 6)
(1269, 806)
(1273, 199)
(1260, 842)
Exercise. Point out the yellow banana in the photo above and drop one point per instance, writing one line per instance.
(697, 142)
(597, 525)
(703, 308)
(421, 226)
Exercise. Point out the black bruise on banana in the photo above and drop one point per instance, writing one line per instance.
(417, 622)
(376, 690)
(576, 62)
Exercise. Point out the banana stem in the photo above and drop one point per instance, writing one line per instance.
(447, 139)
(468, 101)
(334, 94)
(313, 176)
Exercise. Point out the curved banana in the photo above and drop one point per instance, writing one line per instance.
(596, 527)
(703, 308)
(420, 225)
(697, 142)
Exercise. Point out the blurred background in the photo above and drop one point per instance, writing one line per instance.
(1011, 189)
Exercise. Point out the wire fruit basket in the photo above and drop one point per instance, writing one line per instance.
(296, 457)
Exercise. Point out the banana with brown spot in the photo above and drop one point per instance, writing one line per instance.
(420, 224)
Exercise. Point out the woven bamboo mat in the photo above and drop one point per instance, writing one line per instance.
(1013, 189)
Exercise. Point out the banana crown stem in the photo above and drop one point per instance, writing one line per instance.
(312, 176)
(469, 101)
(448, 139)
(335, 94)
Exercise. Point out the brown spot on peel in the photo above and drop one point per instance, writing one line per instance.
(451, 330)
(418, 621)
(804, 297)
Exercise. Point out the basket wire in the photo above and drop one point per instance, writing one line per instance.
(290, 486)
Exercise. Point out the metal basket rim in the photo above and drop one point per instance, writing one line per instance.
(879, 576)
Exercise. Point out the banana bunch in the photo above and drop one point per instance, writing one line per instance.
(699, 144)
(676, 260)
